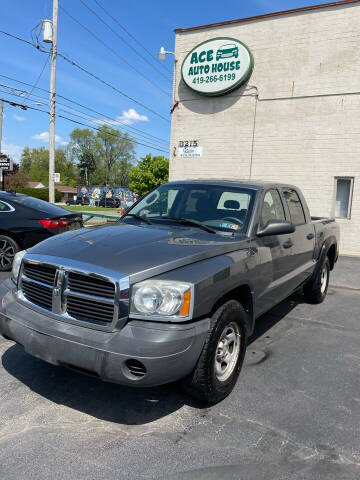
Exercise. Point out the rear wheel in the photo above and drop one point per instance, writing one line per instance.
(221, 359)
(316, 290)
(8, 249)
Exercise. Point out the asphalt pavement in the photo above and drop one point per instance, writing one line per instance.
(294, 413)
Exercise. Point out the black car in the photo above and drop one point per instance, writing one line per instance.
(78, 201)
(109, 203)
(26, 221)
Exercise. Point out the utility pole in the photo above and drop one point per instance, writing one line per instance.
(1, 119)
(52, 104)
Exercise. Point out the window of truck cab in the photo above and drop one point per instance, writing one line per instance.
(295, 206)
(272, 207)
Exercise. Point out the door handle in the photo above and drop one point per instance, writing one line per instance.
(288, 243)
(310, 236)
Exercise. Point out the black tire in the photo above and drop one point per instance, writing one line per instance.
(8, 248)
(316, 290)
(203, 382)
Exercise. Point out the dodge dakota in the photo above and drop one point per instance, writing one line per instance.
(172, 290)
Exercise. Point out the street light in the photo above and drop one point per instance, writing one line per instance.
(162, 54)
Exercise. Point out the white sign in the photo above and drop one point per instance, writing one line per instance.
(56, 177)
(190, 152)
(6, 163)
(217, 66)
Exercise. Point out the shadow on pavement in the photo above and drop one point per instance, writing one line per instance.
(107, 401)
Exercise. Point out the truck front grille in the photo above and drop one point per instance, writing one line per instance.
(90, 285)
(89, 310)
(38, 294)
(70, 294)
(40, 273)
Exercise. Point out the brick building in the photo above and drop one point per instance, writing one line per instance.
(296, 119)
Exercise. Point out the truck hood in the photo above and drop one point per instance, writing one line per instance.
(138, 251)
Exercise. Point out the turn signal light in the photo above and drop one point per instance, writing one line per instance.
(186, 305)
(49, 224)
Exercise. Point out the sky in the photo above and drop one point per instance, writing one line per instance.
(148, 82)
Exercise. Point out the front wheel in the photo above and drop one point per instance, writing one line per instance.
(221, 359)
(316, 290)
(8, 248)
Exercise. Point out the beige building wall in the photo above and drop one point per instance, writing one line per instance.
(307, 124)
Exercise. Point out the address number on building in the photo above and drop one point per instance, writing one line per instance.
(188, 143)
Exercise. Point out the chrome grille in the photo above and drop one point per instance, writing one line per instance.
(75, 295)
(38, 294)
(40, 273)
(89, 310)
(90, 285)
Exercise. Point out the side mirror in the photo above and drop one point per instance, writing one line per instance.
(276, 227)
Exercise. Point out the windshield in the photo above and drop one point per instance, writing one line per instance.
(224, 208)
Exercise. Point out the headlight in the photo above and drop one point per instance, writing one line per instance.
(161, 299)
(16, 265)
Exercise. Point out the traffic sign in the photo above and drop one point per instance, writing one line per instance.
(5, 162)
(56, 177)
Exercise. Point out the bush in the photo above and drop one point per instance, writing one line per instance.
(42, 193)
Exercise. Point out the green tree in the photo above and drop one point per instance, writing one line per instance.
(34, 163)
(116, 149)
(25, 162)
(84, 149)
(150, 172)
(104, 157)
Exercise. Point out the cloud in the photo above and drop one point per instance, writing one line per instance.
(14, 151)
(44, 137)
(132, 116)
(19, 118)
(128, 117)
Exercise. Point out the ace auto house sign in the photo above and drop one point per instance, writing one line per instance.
(217, 66)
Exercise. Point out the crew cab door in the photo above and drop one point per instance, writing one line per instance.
(303, 239)
(274, 254)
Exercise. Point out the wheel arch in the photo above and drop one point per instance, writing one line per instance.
(11, 235)
(331, 254)
(244, 295)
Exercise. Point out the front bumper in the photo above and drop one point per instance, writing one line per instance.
(168, 352)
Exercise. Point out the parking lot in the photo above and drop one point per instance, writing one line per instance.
(293, 414)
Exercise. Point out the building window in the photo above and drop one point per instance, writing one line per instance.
(343, 197)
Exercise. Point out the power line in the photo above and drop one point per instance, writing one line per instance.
(86, 117)
(92, 120)
(113, 51)
(124, 41)
(126, 127)
(154, 144)
(74, 64)
(26, 107)
(128, 33)
(83, 69)
(38, 78)
(106, 122)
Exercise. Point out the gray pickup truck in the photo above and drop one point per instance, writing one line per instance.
(172, 290)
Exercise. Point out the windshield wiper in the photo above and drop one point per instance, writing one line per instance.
(186, 221)
(138, 217)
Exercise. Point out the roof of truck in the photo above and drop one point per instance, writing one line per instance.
(253, 184)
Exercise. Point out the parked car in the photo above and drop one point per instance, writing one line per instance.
(109, 202)
(171, 291)
(25, 221)
(78, 201)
